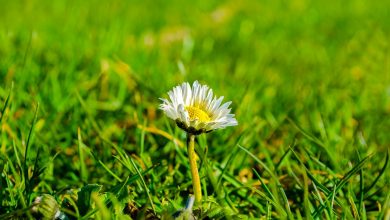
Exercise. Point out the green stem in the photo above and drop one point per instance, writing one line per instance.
(194, 168)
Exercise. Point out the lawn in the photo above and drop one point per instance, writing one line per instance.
(81, 128)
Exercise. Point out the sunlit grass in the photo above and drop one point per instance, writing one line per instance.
(309, 82)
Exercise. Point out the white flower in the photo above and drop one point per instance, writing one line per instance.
(196, 109)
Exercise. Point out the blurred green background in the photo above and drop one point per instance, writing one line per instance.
(294, 70)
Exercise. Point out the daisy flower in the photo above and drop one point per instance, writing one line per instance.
(196, 110)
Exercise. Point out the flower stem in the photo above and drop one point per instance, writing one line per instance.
(194, 168)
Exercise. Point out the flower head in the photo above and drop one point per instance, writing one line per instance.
(196, 110)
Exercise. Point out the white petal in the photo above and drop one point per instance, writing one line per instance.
(200, 96)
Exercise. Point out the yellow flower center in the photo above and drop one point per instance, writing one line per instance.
(196, 113)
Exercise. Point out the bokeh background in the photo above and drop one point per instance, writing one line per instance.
(316, 73)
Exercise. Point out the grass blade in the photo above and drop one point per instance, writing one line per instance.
(25, 168)
(361, 187)
(264, 186)
(144, 184)
(306, 134)
(313, 139)
(5, 106)
(83, 167)
(228, 163)
(340, 185)
(285, 155)
(310, 175)
(379, 176)
(286, 203)
(105, 167)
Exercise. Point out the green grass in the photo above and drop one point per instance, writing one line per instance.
(309, 82)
